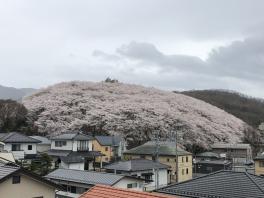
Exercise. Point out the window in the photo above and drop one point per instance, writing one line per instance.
(106, 148)
(106, 159)
(187, 159)
(29, 147)
(133, 185)
(16, 147)
(16, 179)
(182, 171)
(182, 159)
(261, 164)
(60, 143)
(175, 160)
(187, 171)
(168, 159)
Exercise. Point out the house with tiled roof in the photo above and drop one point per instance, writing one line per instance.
(167, 155)
(112, 192)
(16, 182)
(73, 150)
(112, 147)
(75, 182)
(221, 184)
(142, 168)
(43, 145)
(22, 146)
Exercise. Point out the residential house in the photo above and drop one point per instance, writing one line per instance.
(16, 182)
(221, 184)
(203, 167)
(167, 155)
(259, 164)
(239, 154)
(44, 144)
(111, 146)
(142, 168)
(76, 182)
(73, 150)
(207, 156)
(103, 191)
(22, 146)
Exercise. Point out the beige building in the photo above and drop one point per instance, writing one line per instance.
(167, 155)
(16, 182)
(259, 165)
(111, 147)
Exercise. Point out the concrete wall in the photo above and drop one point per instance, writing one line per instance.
(125, 181)
(259, 169)
(27, 188)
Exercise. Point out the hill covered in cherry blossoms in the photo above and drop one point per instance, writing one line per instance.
(131, 111)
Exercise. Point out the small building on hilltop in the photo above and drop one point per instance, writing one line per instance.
(142, 168)
(76, 182)
(167, 155)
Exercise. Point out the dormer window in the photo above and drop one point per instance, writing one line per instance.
(60, 143)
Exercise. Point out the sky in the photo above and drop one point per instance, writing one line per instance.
(168, 44)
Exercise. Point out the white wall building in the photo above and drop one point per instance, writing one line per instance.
(142, 168)
(20, 145)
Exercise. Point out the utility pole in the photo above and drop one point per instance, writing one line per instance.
(157, 144)
(176, 155)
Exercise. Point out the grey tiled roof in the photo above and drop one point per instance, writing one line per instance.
(208, 154)
(219, 162)
(231, 146)
(6, 170)
(15, 137)
(221, 184)
(108, 140)
(43, 140)
(85, 177)
(136, 165)
(165, 148)
(54, 152)
(72, 136)
(260, 156)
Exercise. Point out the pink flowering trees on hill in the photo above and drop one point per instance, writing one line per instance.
(132, 111)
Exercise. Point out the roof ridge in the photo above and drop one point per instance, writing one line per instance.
(250, 177)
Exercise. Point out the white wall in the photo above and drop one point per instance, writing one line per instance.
(76, 166)
(43, 147)
(68, 145)
(123, 184)
(24, 149)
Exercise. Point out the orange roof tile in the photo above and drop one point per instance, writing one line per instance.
(101, 191)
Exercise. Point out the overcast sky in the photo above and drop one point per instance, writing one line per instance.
(170, 44)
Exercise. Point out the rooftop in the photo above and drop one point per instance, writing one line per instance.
(108, 140)
(15, 137)
(136, 165)
(220, 184)
(43, 140)
(165, 148)
(231, 146)
(208, 155)
(100, 191)
(85, 177)
(219, 162)
(72, 136)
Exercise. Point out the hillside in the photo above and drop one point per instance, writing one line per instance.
(131, 111)
(248, 109)
(14, 93)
